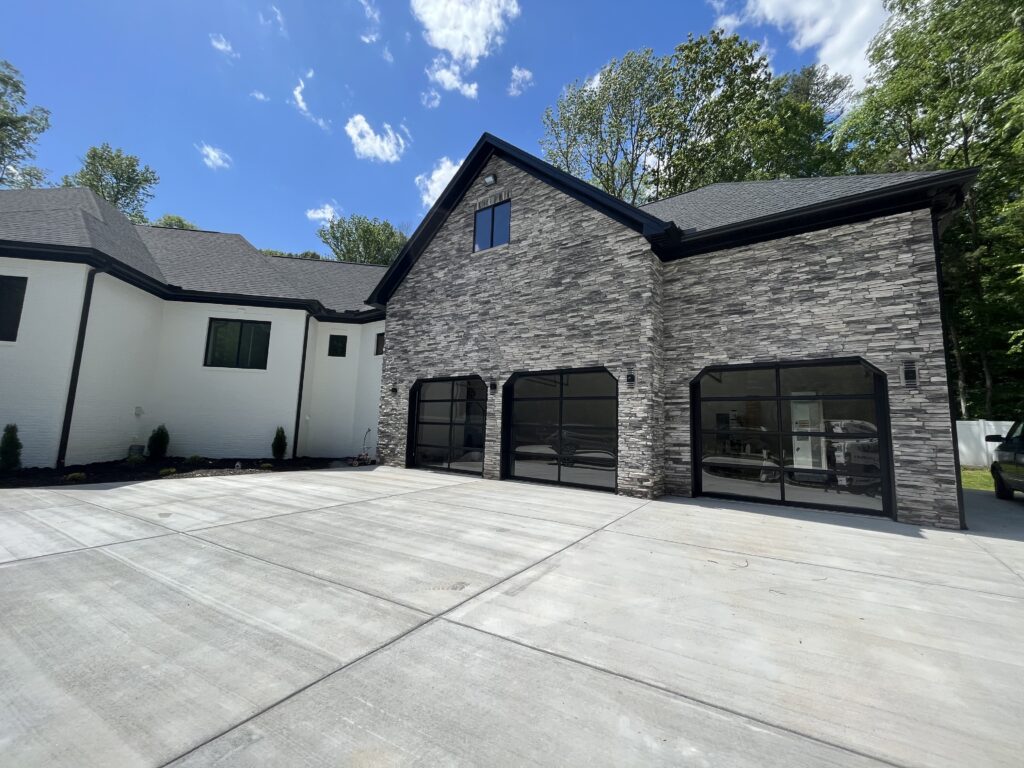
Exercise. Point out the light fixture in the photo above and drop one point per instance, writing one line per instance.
(394, 388)
(490, 180)
(493, 384)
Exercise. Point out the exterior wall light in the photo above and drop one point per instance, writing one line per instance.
(493, 384)
(394, 388)
(490, 180)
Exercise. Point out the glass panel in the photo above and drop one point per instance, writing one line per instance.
(857, 456)
(222, 346)
(471, 436)
(537, 386)
(834, 489)
(436, 412)
(432, 457)
(469, 459)
(758, 483)
(744, 381)
(589, 413)
(378, 347)
(337, 346)
(832, 416)
(853, 379)
(599, 384)
(12, 298)
(593, 474)
(432, 434)
(252, 352)
(734, 415)
(588, 442)
(535, 439)
(436, 390)
(536, 412)
(502, 223)
(482, 236)
(740, 449)
(469, 389)
(535, 467)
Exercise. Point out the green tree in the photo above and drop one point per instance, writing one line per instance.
(945, 92)
(285, 254)
(20, 128)
(173, 221)
(363, 240)
(119, 178)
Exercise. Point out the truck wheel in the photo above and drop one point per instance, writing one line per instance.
(1003, 491)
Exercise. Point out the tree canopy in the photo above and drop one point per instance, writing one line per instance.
(173, 221)
(119, 178)
(361, 239)
(285, 254)
(20, 128)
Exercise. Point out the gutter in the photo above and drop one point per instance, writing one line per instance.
(76, 367)
(302, 381)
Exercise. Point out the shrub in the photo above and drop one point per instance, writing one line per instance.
(195, 460)
(266, 465)
(158, 442)
(75, 477)
(134, 460)
(280, 444)
(167, 472)
(10, 448)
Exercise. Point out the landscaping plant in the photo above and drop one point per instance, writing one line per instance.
(158, 442)
(10, 448)
(280, 444)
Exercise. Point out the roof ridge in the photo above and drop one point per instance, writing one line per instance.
(187, 229)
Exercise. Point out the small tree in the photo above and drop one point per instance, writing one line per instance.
(280, 444)
(361, 239)
(158, 442)
(174, 221)
(119, 178)
(10, 448)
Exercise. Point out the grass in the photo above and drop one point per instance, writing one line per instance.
(976, 479)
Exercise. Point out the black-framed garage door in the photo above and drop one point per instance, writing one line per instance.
(447, 419)
(562, 427)
(804, 433)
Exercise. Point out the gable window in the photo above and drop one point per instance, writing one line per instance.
(379, 347)
(12, 297)
(492, 226)
(337, 346)
(237, 344)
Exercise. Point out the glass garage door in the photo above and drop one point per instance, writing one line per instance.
(563, 428)
(813, 434)
(448, 418)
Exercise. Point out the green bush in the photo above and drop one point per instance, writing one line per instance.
(134, 460)
(280, 444)
(266, 465)
(75, 477)
(167, 472)
(158, 442)
(195, 460)
(10, 448)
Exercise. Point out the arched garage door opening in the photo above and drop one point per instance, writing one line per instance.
(562, 427)
(806, 434)
(447, 419)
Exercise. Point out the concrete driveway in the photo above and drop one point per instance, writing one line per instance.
(395, 617)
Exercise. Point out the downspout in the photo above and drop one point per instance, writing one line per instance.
(76, 367)
(302, 379)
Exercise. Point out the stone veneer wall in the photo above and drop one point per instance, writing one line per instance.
(868, 289)
(572, 289)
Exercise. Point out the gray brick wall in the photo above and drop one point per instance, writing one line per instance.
(868, 289)
(573, 289)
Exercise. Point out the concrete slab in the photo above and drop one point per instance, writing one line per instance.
(997, 527)
(135, 653)
(447, 695)
(915, 674)
(836, 539)
(420, 553)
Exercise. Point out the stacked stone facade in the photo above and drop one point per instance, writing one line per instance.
(576, 289)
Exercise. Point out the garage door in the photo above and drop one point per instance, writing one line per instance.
(813, 434)
(562, 427)
(447, 419)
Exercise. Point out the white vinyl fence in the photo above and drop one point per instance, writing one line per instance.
(974, 451)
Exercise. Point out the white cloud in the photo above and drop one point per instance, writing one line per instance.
(220, 43)
(430, 99)
(259, 95)
(838, 31)
(728, 22)
(465, 31)
(432, 184)
(300, 104)
(386, 146)
(387, 55)
(214, 157)
(371, 35)
(274, 19)
(522, 79)
(370, 10)
(324, 213)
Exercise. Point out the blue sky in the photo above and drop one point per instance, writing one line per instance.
(262, 116)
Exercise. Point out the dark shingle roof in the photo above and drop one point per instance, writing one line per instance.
(719, 205)
(193, 260)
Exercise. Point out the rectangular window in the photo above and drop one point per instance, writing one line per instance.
(493, 226)
(337, 346)
(237, 344)
(379, 347)
(12, 297)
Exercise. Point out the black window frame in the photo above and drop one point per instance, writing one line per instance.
(332, 339)
(241, 323)
(12, 283)
(378, 345)
(491, 209)
(416, 398)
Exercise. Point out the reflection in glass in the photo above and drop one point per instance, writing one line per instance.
(440, 411)
(851, 379)
(834, 489)
(733, 415)
(450, 433)
(593, 384)
(750, 382)
(436, 390)
(741, 481)
(833, 416)
(535, 467)
(742, 448)
(538, 386)
(588, 413)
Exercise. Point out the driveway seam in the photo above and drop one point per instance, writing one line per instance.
(994, 556)
(678, 694)
(84, 549)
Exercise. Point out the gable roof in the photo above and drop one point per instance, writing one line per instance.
(709, 218)
(75, 224)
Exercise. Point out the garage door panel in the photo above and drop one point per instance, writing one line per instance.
(449, 433)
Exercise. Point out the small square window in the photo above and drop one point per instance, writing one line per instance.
(12, 297)
(337, 346)
(492, 226)
(379, 348)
